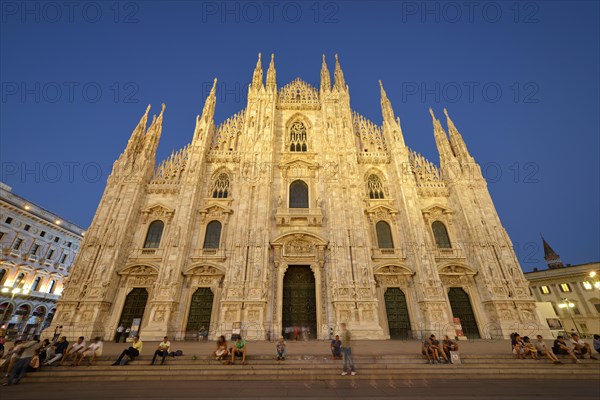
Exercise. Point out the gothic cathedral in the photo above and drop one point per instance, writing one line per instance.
(297, 213)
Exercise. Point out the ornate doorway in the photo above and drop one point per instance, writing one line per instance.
(299, 316)
(461, 308)
(134, 307)
(397, 314)
(200, 312)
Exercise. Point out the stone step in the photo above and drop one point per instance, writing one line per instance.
(308, 376)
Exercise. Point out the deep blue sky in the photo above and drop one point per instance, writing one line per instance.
(538, 142)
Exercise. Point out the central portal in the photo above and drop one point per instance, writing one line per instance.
(299, 319)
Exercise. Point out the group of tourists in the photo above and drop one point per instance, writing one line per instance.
(437, 352)
(522, 347)
(30, 356)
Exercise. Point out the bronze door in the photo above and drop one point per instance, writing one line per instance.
(397, 314)
(134, 307)
(200, 311)
(299, 303)
(461, 308)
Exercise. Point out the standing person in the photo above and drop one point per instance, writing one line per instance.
(162, 350)
(346, 337)
(15, 354)
(336, 348)
(132, 352)
(296, 332)
(280, 349)
(126, 335)
(57, 333)
(119, 332)
(19, 370)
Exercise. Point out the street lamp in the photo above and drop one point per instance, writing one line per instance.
(594, 276)
(566, 303)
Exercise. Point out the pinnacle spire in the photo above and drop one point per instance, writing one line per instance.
(386, 106)
(271, 74)
(456, 141)
(441, 140)
(154, 132)
(390, 124)
(552, 259)
(325, 77)
(338, 75)
(257, 77)
(137, 136)
(211, 100)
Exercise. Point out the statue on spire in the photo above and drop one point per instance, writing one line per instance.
(325, 77)
(456, 141)
(441, 141)
(271, 74)
(257, 77)
(338, 75)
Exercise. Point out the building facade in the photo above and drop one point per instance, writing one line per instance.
(573, 291)
(38, 249)
(296, 212)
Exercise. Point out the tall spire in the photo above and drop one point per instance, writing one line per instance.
(441, 140)
(138, 133)
(271, 74)
(456, 141)
(154, 132)
(386, 106)
(552, 259)
(325, 77)
(338, 75)
(391, 125)
(257, 77)
(209, 105)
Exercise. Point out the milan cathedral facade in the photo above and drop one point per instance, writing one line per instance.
(296, 212)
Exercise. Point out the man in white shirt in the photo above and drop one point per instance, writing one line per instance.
(162, 350)
(94, 350)
(74, 350)
(581, 347)
(540, 346)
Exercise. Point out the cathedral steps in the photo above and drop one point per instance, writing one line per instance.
(319, 368)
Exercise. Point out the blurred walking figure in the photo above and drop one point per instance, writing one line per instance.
(346, 337)
(120, 331)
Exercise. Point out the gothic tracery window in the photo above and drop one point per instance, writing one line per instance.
(212, 238)
(384, 235)
(298, 194)
(298, 137)
(220, 188)
(375, 187)
(154, 235)
(440, 233)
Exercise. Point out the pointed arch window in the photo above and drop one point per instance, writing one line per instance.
(384, 235)
(375, 187)
(440, 233)
(298, 194)
(155, 231)
(298, 137)
(212, 238)
(220, 188)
